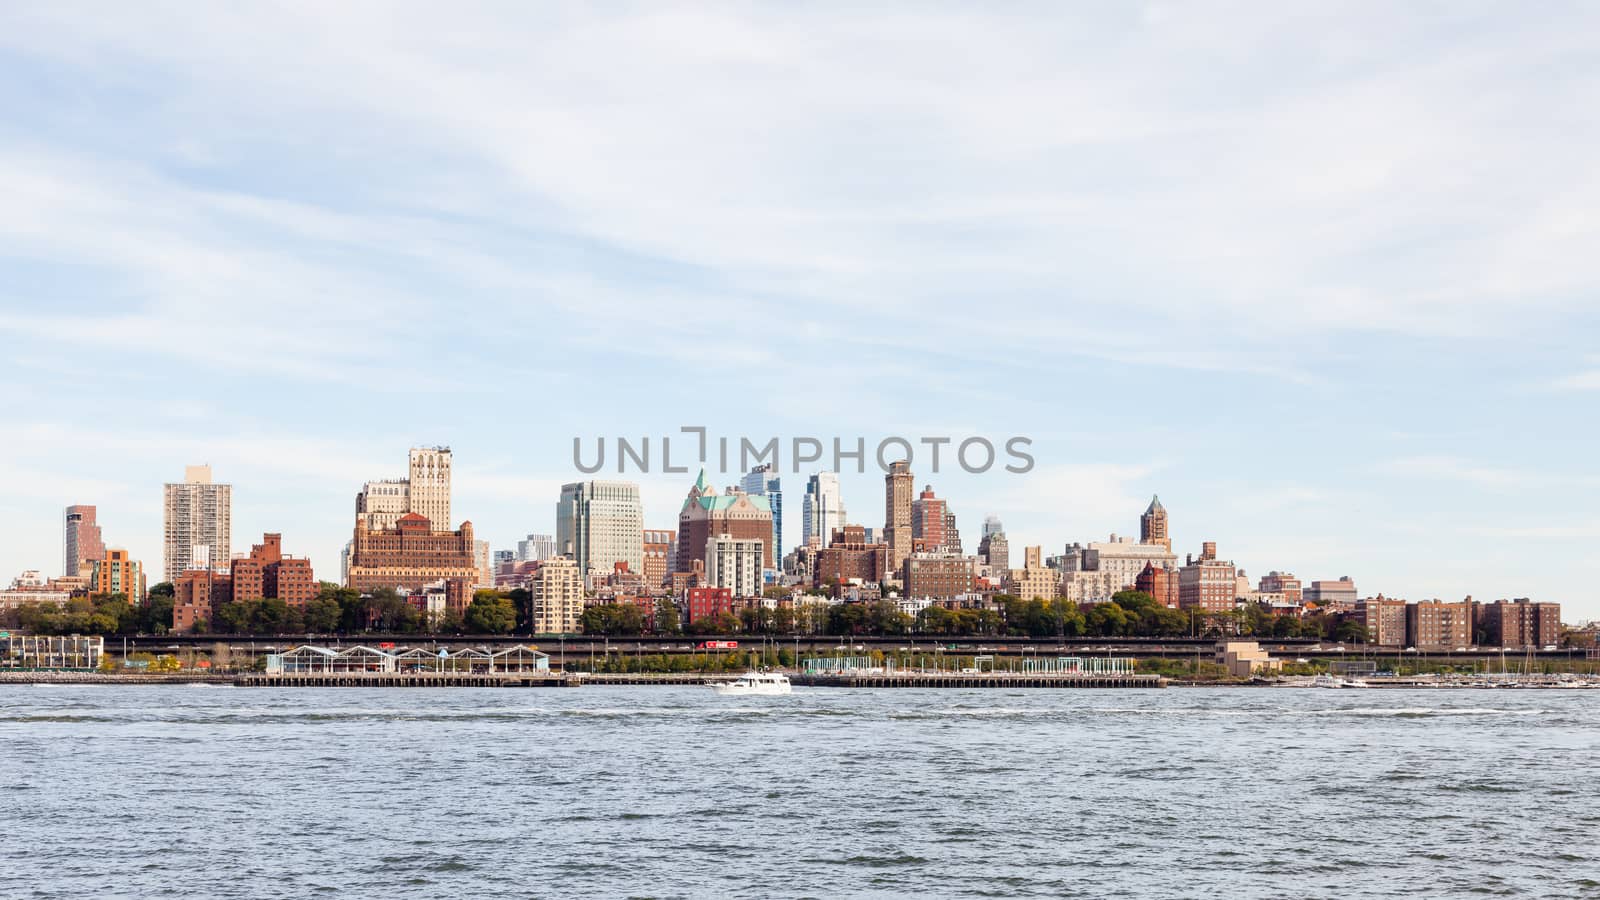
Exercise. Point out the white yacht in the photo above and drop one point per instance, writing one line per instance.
(754, 683)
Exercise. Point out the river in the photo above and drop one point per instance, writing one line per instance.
(674, 792)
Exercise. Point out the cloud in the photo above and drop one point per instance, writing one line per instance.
(1580, 381)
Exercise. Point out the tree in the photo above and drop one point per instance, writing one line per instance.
(272, 616)
(164, 589)
(1352, 632)
(666, 617)
(321, 616)
(155, 616)
(233, 617)
(490, 613)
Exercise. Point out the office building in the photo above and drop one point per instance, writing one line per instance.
(599, 524)
(764, 481)
(1336, 595)
(823, 509)
(197, 522)
(659, 555)
(536, 548)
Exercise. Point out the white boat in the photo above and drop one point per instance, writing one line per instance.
(1334, 681)
(754, 684)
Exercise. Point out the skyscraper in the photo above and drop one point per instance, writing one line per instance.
(198, 523)
(928, 519)
(992, 525)
(599, 524)
(537, 548)
(425, 491)
(897, 488)
(81, 545)
(1153, 525)
(430, 484)
(763, 480)
(823, 509)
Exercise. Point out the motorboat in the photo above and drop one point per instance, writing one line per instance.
(755, 684)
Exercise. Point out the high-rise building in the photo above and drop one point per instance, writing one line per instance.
(198, 523)
(897, 490)
(823, 509)
(994, 549)
(410, 555)
(482, 556)
(1207, 583)
(735, 563)
(425, 491)
(952, 536)
(116, 572)
(1153, 525)
(1094, 572)
(992, 525)
(659, 556)
(82, 545)
(927, 519)
(537, 548)
(599, 524)
(556, 597)
(430, 484)
(706, 513)
(763, 481)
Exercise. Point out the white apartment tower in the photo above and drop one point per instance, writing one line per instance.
(197, 523)
(823, 509)
(735, 563)
(556, 597)
(599, 524)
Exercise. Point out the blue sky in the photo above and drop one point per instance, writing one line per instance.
(1321, 275)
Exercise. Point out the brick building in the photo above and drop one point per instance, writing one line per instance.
(1438, 625)
(659, 556)
(195, 597)
(411, 555)
(1159, 582)
(850, 556)
(705, 602)
(706, 513)
(266, 572)
(940, 576)
(1517, 623)
(1207, 583)
(1384, 619)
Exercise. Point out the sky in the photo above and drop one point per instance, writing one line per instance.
(1321, 275)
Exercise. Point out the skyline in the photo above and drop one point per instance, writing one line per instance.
(1320, 281)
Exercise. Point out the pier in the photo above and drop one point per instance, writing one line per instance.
(410, 679)
(911, 679)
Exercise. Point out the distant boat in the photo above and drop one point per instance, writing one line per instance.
(1334, 681)
(755, 684)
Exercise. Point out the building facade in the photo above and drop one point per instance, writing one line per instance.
(850, 556)
(1034, 580)
(1153, 525)
(1384, 620)
(1283, 583)
(81, 544)
(1207, 583)
(897, 499)
(938, 576)
(197, 523)
(706, 513)
(823, 510)
(763, 481)
(658, 556)
(735, 563)
(1439, 625)
(267, 572)
(116, 572)
(411, 555)
(1093, 572)
(556, 597)
(599, 524)
(1339, 594)
(1517, 623)
(536, 548)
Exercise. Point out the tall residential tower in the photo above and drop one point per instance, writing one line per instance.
(198, 523)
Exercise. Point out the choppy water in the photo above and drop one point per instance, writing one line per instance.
(669, 792)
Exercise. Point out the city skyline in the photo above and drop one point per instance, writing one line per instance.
(1151, 524)
(1247, 266)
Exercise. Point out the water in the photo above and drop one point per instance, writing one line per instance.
(672, 792)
